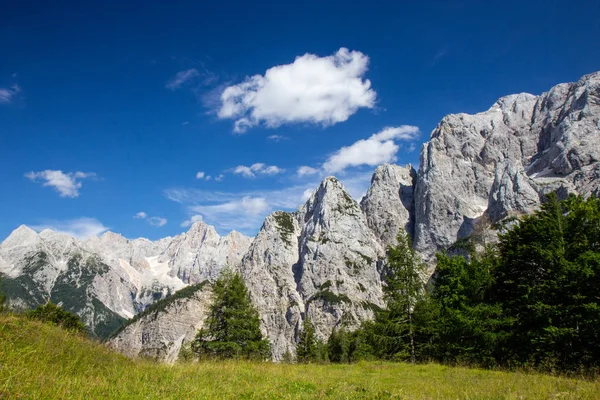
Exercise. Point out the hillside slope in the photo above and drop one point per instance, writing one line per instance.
(40, 361)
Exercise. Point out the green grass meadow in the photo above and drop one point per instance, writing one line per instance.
(40, 361)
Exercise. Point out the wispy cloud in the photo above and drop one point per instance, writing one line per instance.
(66, 184)
(157, 221)
(154, 221)
(306, 170)
(245, 211)
(313, 89)
(80, 228)
(439, 55)
(277, 138)
(7, 95)
(181, 78)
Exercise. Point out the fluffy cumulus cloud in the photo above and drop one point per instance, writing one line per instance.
(312, 89)
(154, 221)
(66, 184)
(257, 169)
(7, 95)
(181, 78)
(80, 228)
(203, 176)
(377, 149)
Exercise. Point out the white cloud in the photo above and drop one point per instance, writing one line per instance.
(189, 222)
(202, 176)
(66, 184)
(154, 221)
(305, 170)
(219, 177)
(272, 170)
(306, 194)
(243, 214)
(247, 205)
(319, 90)
(276, 138)
(377, 149)
(7, 95)
(244, 171)
(80, 228)
(246, 211)
(182, 77)
(157, 221)
(257, 169)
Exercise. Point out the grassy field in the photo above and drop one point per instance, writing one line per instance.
(39, 361)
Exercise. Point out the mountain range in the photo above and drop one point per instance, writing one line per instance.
(323, 261)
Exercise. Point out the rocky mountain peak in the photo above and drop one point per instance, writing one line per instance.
(388, 204)
(330, 198)
(111, 237)
(504, 160)
(22, 236)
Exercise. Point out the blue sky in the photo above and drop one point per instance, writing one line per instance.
(109, 111)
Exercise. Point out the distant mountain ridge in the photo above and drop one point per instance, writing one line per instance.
(324, 260)
(109, 279)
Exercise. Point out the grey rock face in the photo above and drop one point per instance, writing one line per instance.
(339, 255)
(201, 253)
(504, 160)
(160, 334)
(389, 202)
(319, 262)
(270, 270)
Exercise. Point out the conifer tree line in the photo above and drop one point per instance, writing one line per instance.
(531, 300)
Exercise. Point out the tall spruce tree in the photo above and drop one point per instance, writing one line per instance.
(393, 332)
(307, 349)
(2, 299)
(232, 329)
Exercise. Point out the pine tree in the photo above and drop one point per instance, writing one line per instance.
(232, 329)
(394, 329)
(54, 314)
(2, 299)
(307, 349)
(338, 346)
